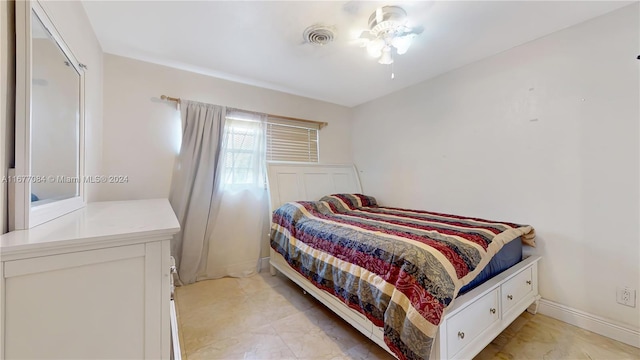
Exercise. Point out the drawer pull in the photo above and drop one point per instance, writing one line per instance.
(460, 334)
(492, 310)
(510, 297)
(528, 282)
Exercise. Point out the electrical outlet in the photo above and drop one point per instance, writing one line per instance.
(626, 296)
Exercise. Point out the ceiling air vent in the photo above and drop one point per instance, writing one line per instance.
(318, 34)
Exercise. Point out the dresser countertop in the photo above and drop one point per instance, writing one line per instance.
(97, 222)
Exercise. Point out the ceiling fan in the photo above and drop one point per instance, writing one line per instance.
(388, 33)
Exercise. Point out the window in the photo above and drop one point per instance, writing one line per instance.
(243, 154)
(291, 140)
(248, 142)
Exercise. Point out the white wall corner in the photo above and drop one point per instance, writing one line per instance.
(590, 322)
(264, 264)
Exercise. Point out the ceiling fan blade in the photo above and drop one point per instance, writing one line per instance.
(366, 35)
(408, 31)
(416, 30)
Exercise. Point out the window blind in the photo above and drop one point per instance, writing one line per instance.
(290, 140)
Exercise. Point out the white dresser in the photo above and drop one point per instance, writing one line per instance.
(91, 284)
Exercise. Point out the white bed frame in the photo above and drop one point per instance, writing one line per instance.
(473, 320)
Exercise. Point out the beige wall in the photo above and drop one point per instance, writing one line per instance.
(142, 133)
(7, 100)
(547, 134)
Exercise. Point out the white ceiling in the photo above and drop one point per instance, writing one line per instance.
(260, 42)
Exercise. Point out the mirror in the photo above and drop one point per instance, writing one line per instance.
(55, 118)
(48, 178)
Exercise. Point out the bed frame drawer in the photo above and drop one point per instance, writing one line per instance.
(471, 313)
(467, 324)
(516, 289)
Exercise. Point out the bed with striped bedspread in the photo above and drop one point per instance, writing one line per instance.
(400, 268)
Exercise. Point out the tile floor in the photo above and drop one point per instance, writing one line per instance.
(265, 317)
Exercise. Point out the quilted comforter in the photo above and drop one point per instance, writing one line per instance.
(400, 268)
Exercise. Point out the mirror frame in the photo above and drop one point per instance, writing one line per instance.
(22, 214)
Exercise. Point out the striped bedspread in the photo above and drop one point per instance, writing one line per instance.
(400, 268)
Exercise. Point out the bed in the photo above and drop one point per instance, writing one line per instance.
(404, 322)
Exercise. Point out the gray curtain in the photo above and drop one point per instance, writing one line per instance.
(238, 232)
(195, 187)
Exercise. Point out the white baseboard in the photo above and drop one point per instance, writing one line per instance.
(590, 322)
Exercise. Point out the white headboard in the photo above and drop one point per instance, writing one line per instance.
(309, 182)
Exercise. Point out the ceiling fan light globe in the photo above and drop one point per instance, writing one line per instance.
(402, 43)
(386, 58)
(374, 54)
(374, 47)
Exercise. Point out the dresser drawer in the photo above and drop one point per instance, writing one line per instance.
(466, 325)
(516, 288)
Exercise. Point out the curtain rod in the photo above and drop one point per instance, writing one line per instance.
(320, 123)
